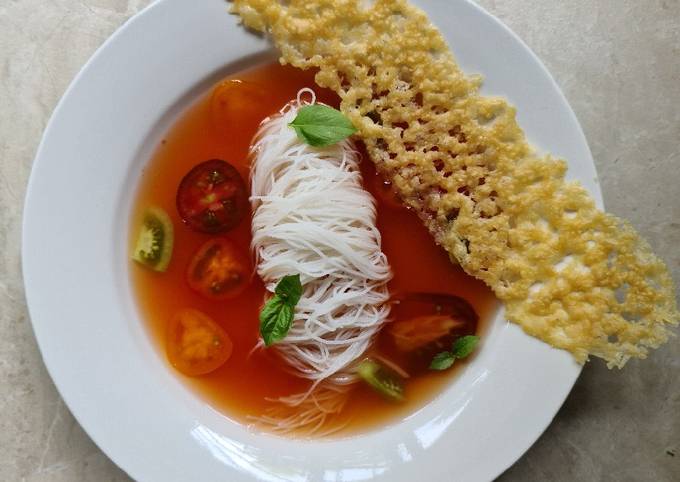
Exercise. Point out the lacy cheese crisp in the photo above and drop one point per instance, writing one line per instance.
(568, 273)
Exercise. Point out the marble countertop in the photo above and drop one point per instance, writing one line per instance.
(618, 62)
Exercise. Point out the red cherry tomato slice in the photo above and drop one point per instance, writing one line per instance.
(428, 323)
(212, 197)
(218, 270)
(195, 344)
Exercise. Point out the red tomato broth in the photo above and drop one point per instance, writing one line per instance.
(241, 386)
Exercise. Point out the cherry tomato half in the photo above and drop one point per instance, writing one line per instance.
(212, 197)
(232, 103)
(428, 323)
(218, 270)
(195, 344)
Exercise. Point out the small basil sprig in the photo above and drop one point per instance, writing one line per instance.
(277, 315)
(462, 348)
(320, 126)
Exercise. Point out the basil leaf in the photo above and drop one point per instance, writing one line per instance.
(289, 289)
(269, 318)
(277, 315)
(320, 126)
(443, 361)
(464, 346)
(276, 319)
(284, 321)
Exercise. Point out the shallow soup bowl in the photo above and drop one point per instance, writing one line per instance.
(94, 343)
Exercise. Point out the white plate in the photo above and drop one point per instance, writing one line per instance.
(90, 334)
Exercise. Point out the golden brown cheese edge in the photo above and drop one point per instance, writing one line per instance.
(568, 273)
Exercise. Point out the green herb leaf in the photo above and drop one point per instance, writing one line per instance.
(443, 361)
(289, 289)
(276, 319)
(320, 126)
(277, 315)
(464, 346)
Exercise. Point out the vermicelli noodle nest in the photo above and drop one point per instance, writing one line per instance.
(312, 217)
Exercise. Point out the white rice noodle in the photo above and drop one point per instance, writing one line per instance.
(313, 217)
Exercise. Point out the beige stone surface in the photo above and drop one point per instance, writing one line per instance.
(618, 62)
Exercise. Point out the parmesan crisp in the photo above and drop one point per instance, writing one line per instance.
(569, 274)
